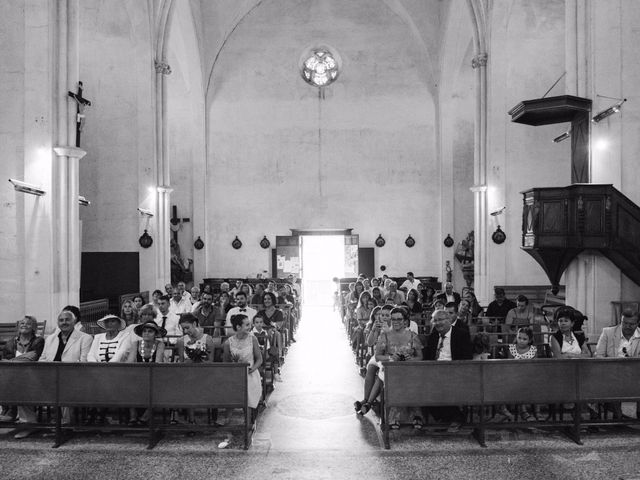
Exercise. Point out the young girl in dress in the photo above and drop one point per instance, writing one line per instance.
(243, 347)
(524, 349)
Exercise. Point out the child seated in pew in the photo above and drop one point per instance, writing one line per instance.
(268, 341)
(522, 349)
(481, 346)
(357, 335)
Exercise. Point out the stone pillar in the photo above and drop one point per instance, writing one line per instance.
(479, 189)
(66, 222)
(162, 251)
(65, 217)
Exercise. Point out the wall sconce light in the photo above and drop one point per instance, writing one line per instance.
(83, 201)
(380, 242)
(498, 236)
(609, 111)
(448, 242)
(265, 243)
(145, 240)
(562, 137)
(236, 243)
(25, 187)
(409, 242)
(198, 244)
(145, 212)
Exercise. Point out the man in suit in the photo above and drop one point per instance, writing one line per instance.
(447, 343)
(449, 295)
(65, 344)
(622, 340)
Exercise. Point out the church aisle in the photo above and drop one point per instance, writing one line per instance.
(313, 407)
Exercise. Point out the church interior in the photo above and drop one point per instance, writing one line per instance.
(482, 142)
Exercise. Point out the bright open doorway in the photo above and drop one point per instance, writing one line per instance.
(322, 260)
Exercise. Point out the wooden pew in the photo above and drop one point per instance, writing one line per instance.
(117, 385)
(498, 382)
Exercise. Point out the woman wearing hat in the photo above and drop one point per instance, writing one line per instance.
(148, 350)
(151, 348)
(106, 345)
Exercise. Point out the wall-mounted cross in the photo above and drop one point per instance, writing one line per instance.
(81, 104)
(176, 221)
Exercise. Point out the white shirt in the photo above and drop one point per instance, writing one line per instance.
(408, 284)
(413, 326)
(248, 311)
(103, 349)
(571, 347)
(256, 333)
(183, 306)
(626, 344)
(171, 324)
(445, 349)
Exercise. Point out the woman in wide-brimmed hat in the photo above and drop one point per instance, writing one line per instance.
(106, 345)
(151, 348)
(148, 350)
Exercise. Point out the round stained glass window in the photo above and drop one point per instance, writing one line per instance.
(320, 68)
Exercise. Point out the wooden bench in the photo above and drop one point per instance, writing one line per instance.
(499, 382)
(118, 385)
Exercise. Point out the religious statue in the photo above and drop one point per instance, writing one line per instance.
(464, 254)
(180, 268)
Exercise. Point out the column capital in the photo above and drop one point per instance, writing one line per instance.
(162, 67)
(479, 60)
(66, 151)
(478, 188)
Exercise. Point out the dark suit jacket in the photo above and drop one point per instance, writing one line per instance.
(461, 348)
(443, 297)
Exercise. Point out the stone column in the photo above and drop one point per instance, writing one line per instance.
(66, 222)
(479, 189)
(65, 208)
(163, 251)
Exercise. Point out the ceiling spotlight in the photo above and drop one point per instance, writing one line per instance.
(608, 112)
(562, 137)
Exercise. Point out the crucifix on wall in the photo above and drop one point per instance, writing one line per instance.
(81, 104)
(180, 268)
(176, 222)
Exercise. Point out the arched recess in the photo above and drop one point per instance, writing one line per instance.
(457, 113)
(317, 164)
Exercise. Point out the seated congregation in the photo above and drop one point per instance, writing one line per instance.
(215, 326)
(387, 325)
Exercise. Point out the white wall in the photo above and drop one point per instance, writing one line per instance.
(526, 56)
(26, 132)
(118, 173)
(457, 102)
(362, 158)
